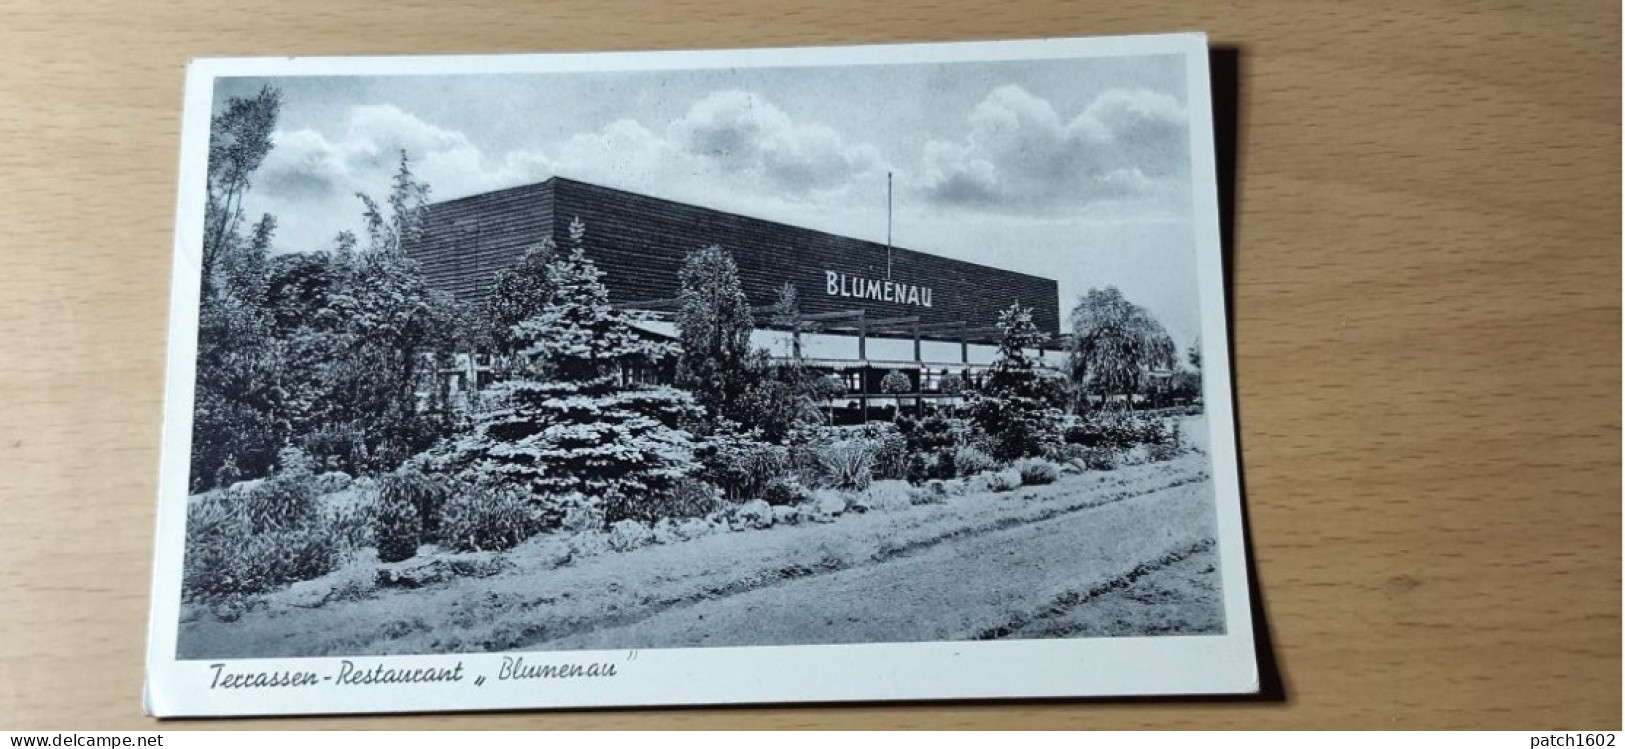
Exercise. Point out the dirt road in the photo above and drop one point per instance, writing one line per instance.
(987, 585)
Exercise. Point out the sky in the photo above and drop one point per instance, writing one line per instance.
(1076, 170)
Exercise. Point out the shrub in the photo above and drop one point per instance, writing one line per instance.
(354, 520)
(364, 485)
(332, 481)
(1003, 481)
(1120, 430)
(752, 515)
(934, 493)
(922, 468)
(477, 518)
(255, 537)
(227, 557)
(1100, 459)
(825, 505)
(282, 502)
(785, 491)
(397, 527)
(228, 473)
(848, 465)
(302, 554)
(1079, 433)
(627, 535)
(892, 455)
(969, 461)
(693, 528)
(561, 439)
(891, 459)
(668, 531)
(589, 543)
(930, 434)
(885, 496)
(426, 494)
(739, 465)
(687, 498)
(1035, 471)
(803, 465)
(581, 516)
(1169, 448)
(212, 532)
(779, 405)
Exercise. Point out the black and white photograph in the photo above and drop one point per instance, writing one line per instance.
(675, 378)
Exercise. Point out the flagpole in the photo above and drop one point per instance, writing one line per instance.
(888, 226)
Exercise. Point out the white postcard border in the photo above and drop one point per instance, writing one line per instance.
(1185, 665)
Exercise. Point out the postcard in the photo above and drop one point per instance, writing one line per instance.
(705, 377)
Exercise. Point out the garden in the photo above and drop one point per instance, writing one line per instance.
(344, 499)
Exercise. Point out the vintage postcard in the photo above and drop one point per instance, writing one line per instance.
(773, 375)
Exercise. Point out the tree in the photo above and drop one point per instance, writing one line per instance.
(714, 325)
(234, 427)
(239, 139)
(778, 405)
(787, 315)
(1011, 408)
(344, 245)
(1186, 384)
(953, 386)
(397, 335)
(1115, 343)
(385, 380)
(826, 388)
(335, 352)
(389, 232)
(521, 292)
(896, 383)
(783, 397)
(584, 427)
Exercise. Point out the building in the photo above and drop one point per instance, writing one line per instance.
(869, 308)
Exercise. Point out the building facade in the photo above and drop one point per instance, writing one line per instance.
(868, 308)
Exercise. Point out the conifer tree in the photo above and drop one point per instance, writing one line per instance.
(584, 427)
(787, 315)
(1011, 408)
(714, 325)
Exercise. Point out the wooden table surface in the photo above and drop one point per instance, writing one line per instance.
(1425, 285)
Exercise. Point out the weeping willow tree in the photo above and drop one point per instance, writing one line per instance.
(1115, 345)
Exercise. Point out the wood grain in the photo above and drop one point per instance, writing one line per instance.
(1425, 301)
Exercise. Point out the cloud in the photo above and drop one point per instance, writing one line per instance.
(622, 152)
(744, 134)
(302, 165)
(1019, 155)
(733, 149)
(309, 180)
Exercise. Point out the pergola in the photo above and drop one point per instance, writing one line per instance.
(858, 323)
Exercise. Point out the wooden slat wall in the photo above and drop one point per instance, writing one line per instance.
(640, 242)
(470, 240)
